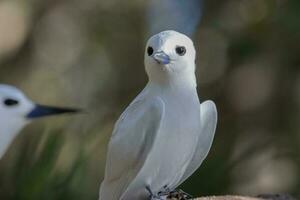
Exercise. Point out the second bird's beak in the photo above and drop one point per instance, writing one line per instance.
(161, 57)
(43, 111)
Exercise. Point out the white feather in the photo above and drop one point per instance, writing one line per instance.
(154, 142)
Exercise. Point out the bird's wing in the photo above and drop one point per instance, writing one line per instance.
(131, 143)
(208, 126)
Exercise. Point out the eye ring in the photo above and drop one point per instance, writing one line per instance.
(150, 51)
(180, 50)
(10, 102)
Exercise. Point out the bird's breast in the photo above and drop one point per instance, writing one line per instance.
(181, 126)
(179, 137)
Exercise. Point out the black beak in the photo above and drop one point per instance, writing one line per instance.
(43, 111)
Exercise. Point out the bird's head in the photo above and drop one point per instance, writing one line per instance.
(16, 110)
(170, 55)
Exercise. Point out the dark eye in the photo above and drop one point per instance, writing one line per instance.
(10, 102)
(150, 51)
(180, 50)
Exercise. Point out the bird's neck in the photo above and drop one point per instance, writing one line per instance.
(8, 131)
(175, 82)
(176, 85)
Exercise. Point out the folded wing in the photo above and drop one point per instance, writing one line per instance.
(208, 126)
(130, 145)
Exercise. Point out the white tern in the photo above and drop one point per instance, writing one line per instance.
(165, 133)
(16, 110)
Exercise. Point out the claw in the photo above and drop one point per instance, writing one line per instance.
(178, 195)
(165, 191)
(153, 196)
(167, 194)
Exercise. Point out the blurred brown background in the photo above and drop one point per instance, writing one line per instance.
(90, 54)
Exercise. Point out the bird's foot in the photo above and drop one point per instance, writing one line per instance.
(158, 196)
(164, 192)
(178, 195)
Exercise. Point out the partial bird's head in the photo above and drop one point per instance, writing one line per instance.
(16, 110)
(170, 55)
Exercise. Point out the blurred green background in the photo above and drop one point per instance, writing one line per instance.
(90, 54)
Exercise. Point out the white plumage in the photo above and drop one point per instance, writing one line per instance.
(16, 110)
(165, 133)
